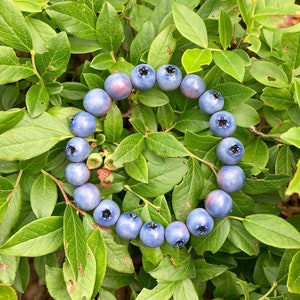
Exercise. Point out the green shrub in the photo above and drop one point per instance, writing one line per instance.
(159, 155)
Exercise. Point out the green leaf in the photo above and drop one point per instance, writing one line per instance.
(53, 63)
(285, 161)
(162, 177)
(279, 99)
(37, 100)
(283, 235)
(185, 290)
(266, 184)
(146, 115)
(284, 265)
(73, 90)
(206, 271)
(185, 196)
(292, 136)
(119, 258)
(137, 169)
(213, 241)
(74, 241)
(11, 212)
(83, 287)
(35, 135)
(245, 115)
(230, 63)
(278, 18)
(56, 284)
(113, 124)
(75, 18)
(102, 61)
(128, 150)
(166, 271)
(269, 74)
(245, 11)
(294, 184)
(30, 5)
(162, 48)
(241, 239)
(14, 31)
(200, 142)
(45, 232)
(10, 118)
(153, 98)
(293, 282)
(163, 290)
(190, 25)
(165, 116)
(256, 154)
(7, 292)
(40, 33)
(10, 68)
(193, 120)
(23, 275)
(193, 59)
(290, 46)
(225, 29)
(109, 29)
(234, 94)
(43, 196)
(9, 268)
(79, 45)
(165, 144)
(97, 247)
(141, 42)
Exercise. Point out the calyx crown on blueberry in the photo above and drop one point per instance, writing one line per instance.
(129, 225)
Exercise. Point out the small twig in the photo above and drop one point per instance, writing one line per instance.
(59, 184)
(128, 188)
(15, 185)
(209, 164)
(264, 135)
(269, 292)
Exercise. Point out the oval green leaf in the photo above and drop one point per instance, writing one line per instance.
(272, 230)
(37, 238)
(190, 25)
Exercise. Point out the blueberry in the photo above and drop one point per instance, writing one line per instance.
(143, 77)
(211, 101)
(192, 86)
(199, 222)
(128, 225)
(97, 102)
(230, 151)
(231, 178)
(168, 77)
(118, 86)
(87, 196)
(83, 124)
(106, 214)
(77, 149)
(177, 234)
(222, 124)
(152, 234)
(218, 204)
(77, 173)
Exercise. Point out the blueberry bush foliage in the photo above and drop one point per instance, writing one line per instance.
(159, 156)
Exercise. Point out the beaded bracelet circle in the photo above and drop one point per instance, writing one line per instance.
(129, 225)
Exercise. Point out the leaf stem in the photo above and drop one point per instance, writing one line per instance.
(264, 135)
(59, 184)
(15, 186)
(35, 68)
(236, 218)
(209, 164)
(269, 292)
(128, 188)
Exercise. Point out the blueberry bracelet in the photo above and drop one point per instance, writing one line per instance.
(128, 225)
